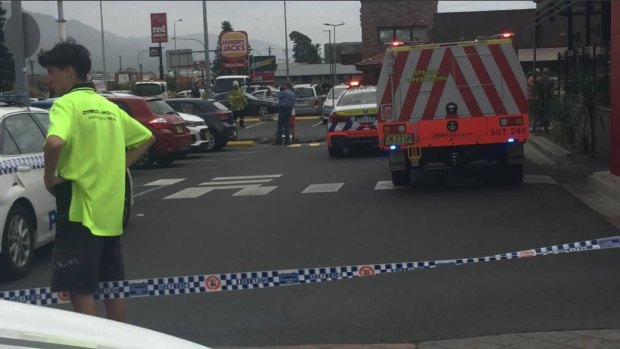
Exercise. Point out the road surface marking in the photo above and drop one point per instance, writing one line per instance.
(238, 182)
(314, 144)
(254, 191)
(189, 193)
(385, 185)
(260, 123)
(296, 145)
(538, 179)
(246, 177)
(169, 181)
(317, 124)
(323, 188)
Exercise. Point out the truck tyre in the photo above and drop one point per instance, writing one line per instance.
(513, 174)
(401, 177)
(335, 152)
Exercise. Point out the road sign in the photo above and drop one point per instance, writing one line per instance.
(235, 48)
(263, 63)
(154, 51)
(31, 34)
(179, 59)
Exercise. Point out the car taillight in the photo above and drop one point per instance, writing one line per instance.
(514, 121)
(222, 116)
(160, 123)
(397, 128)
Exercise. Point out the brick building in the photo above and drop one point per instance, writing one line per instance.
(385, 20)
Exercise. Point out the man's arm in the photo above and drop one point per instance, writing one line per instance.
(51, 155)
(135, 153)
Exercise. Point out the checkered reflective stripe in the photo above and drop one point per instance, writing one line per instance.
(249, 280)
(10, 165)
(264, 279)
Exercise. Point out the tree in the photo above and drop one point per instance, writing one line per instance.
(217, 68)
(303, 49)
(7, 65)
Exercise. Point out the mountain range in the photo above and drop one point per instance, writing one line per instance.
(125, 48)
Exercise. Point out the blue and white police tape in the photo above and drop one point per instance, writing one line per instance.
(264, 279)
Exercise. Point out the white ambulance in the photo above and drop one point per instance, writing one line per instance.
(453, 103)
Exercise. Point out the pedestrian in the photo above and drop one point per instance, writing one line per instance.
(195, 91)
(90, 143)
(286, 103)
(237, 101)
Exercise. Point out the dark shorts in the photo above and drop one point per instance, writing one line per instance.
(81, 260)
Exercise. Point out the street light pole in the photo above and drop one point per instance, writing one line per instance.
(206, 48)
(286, 43)
(140, 65)
(335, 60)
(175, 32)
(329, 34)
(105, 80)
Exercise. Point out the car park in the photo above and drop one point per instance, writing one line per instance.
(308, 99)
(331, 98)
(217, 117)
(255, 106)
(27, 209)
(172, 138)
(202, 139)
(353, 122)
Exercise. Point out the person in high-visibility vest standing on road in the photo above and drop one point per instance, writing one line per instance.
(237, 102)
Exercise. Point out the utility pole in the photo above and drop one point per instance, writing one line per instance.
(105, 78)
(19, 54)
(206, 48)
(61, 23)
(120, 64)
(269, 50)
(286, 43)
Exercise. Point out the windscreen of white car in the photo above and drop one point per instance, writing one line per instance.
(366, 97)
(338, 93)
(146, 90)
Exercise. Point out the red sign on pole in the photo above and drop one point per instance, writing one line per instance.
(159, 28)
(234, 49)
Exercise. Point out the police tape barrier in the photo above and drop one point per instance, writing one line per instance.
(263, 279)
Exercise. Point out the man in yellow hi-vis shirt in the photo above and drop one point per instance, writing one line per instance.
(90, 143)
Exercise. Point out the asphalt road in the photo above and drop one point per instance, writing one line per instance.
(217, 232)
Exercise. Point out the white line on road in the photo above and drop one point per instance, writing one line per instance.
(246, 177)
(323, 188)
(254, 191)
(168, 181)
(192, 193)
(260, 123)
(385, 185)
(238, 182)
(317, 124)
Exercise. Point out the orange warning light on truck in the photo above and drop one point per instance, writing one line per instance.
(453, 103)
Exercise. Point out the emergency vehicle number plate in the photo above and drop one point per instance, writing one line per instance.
(406, 138)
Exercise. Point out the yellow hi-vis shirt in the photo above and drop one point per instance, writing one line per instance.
(96, 133)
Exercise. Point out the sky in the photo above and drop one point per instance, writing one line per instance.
(262, 20)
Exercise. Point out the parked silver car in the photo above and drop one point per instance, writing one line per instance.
(330, 99)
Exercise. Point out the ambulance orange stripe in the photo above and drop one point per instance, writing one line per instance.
(485, 80)
(509, 76)
(414, 88)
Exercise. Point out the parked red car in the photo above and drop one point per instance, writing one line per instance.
(173, 139)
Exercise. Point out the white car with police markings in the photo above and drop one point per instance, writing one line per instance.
(27, 210)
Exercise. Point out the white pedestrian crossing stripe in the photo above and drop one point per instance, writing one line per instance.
(246, 185)
(168, 181)
(323, 188)
(385, 185)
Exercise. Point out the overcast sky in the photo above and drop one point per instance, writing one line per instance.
(261, 19)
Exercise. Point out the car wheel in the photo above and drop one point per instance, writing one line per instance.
(335, 152)
(212, 141)
(17, 243)
(263, 110)
(145, 161)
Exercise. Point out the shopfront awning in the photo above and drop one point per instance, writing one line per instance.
(543, 54)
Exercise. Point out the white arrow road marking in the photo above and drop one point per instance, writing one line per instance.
(323, 188)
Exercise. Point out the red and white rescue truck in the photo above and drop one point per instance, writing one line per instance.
(452, 103)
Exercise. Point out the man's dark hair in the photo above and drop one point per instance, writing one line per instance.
(67, 53)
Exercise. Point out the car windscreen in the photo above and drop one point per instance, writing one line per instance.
(224, 85)
(219, 106)
(159, 107)
(304, 92)
(366, 97)
(339, 92)
(147, 90)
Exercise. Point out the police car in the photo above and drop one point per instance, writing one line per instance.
(353, 122)
(27, 210)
